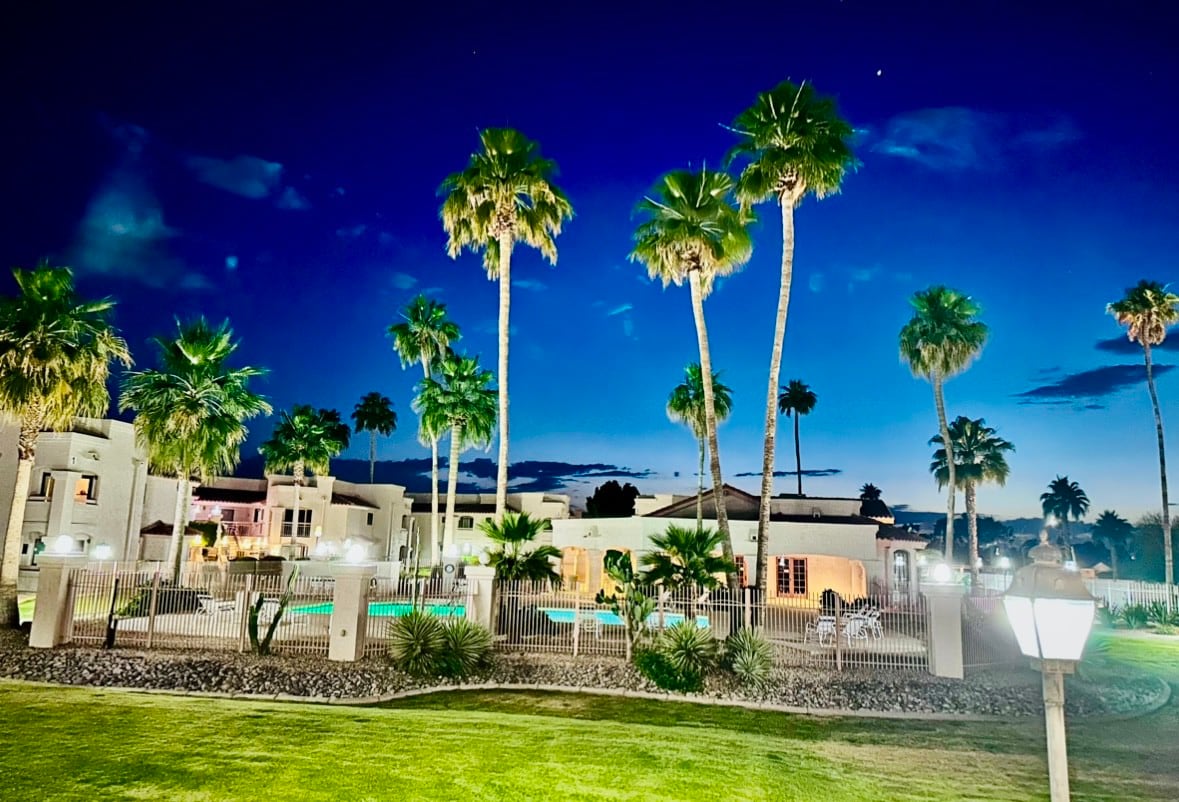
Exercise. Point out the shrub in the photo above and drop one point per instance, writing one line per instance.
(1157, 613)
(1135, 616)
(416, 642)
(657, 667)
(688, 647)
(750, 656)
(466, 648)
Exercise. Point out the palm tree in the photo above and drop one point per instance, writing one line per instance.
(424, 337)
(1064, 500)
(870, 492)
(694, 233)
(1115, 532)
(459, 401)
(190, 412)
(505, 196)
(941, 340)
(55, 355)
(304, 440)
(1146, 311)
(793, 143)
(374, 414)
(686, 405)
(979, 457)
(512, 561)
(796, 400)
(686, 558)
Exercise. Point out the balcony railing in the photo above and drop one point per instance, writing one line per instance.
(288, 530)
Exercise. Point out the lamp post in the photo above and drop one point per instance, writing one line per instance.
(1051, 613)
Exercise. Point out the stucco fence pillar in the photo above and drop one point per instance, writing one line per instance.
(944, 606)
(480, 590)
(53, 617)
(349, 621)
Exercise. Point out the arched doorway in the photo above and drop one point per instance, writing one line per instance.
(902, 563)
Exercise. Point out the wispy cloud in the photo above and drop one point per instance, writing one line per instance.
(402, 281)
(1123, 345)
(291, 199)
(1089, 384)
(808, 472)
(351, 232)
(247, 176)
(957, 138)
(620, 310)
(529, 284)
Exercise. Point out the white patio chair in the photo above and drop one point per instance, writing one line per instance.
(855, 627)
(822, 628)
(211, 606)
(872, 622)
(587, 620)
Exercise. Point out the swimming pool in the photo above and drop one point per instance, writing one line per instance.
(607, 618)
(386, 609)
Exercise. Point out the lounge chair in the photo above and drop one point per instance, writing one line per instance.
(587, 620)
(822, 628)
(211, 606)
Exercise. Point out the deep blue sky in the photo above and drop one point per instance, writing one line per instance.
(280, 168)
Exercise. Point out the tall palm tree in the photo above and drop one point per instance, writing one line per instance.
(190, 412)
(304, 440)
(941, 340)
(55, 355)
(505, 196)
(1116, 533)
(794, 143)
(424, 336)
(374, 414)
(512, 559)
(978, 457)
(1064, 500)
(1146, 311)
(796, 400)
(460, 401)
(694, 233)
(686, 405)
(870, 492)
(686, 558)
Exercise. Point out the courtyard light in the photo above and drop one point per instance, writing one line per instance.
(63, 544)
(102, 552)
(1051, 613)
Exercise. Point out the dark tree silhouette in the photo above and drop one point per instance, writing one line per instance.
(612, 500)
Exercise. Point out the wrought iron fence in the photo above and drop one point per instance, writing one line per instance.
(987, 638)
(388, 599)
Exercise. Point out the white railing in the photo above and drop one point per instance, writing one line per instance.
(1112, 592)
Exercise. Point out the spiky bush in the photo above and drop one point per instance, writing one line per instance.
(1135, 616)
(466, 648)
(1157, 613)
(750, 656)
(416, 643)
(655, 666)
(688, 647)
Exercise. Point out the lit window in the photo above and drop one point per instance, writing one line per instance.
(86, 490)
(791, 576)
(742, 570)
(304, 523)
(466, 522)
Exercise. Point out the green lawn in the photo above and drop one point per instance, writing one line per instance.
(92, 744)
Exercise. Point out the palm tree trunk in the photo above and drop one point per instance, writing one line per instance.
(372, 457)
(14, 535)
(1113, 557)
(951, 485)
(972, 525)
(797, 453)
(456, 436)
(1168, 555)
(300, 475)
(179, 524)
(505, 303)
(700, 488)
(718, 495)
(771, 429)
(433, 473)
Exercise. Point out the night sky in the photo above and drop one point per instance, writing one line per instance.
(280, 169)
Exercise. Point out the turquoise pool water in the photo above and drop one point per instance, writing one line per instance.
(610, 619)
(385, 609)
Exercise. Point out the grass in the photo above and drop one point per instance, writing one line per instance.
(73, 743)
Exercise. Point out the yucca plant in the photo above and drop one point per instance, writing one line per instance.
(1135, 616)
(416, 643)
(466, 648)
(689, 648)
(749, 656)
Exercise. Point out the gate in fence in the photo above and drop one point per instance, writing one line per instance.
(987, 638)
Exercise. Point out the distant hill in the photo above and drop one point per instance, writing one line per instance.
(412, 474)
(1029, 527)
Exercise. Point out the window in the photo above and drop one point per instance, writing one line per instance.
(742, 570)
(227, 515)
(46, 491)
(86, 490)
(304, 523)
(791, 576)
(405, 522)
(369, 520)
(466, 522)
(257, 515)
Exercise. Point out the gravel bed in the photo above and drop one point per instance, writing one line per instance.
(1001, 693)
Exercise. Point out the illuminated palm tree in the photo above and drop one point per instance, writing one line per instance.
(304, 440)
(978, 457)
(458, 401)
(512, 560)
(794, 143)
(505, 196)
(686, 558)
(686, 405)
(424, 337)
(1064, 500)
(55, 355)
(941, 340)
(694, 233)
(1146, 311)
(190, 413)
(796, 400)
(374, 414)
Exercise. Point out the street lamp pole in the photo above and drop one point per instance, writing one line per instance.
(1053, 672)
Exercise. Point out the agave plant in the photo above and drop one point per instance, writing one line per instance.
(466, 647)
(416, 642)
(689, 648)
(749, 656)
